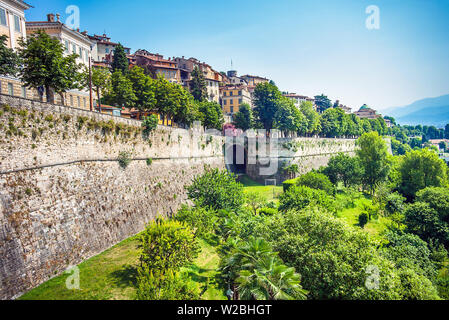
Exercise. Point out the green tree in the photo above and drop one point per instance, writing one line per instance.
(198, 87)
(334, 123)
(244, 118)
(373, 155)
(288, 118)
(266, 101)
(120, 61)
(421, 169)
(211, 115)
(333, 258)
(297, 198)
(312, 117)
(167, 245)
(318, 181)
(363, 219)
(101, 81)
(143, 89)
(121, 91)
(216, 189)
(424, 221)
(9, 60)
(44, 64)
(174, 102)
(437, 199)
(344, 168)
(323, 102)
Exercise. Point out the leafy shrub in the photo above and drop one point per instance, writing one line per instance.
(149, 124)
(363, 219)
(168, 286)
(124, 159)
(318, 181)
(268, 211)
(255, 201)
(333, 258)
(167, 245)
(301, 197)
(287, 184)
(424, 221)
(216, 189)
(343, 168)
(394, 203)
(201, 220)
(437, 199)
(149, 161)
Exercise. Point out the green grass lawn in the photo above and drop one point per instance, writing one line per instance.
(112, 276)
(271, 193)
(351, 213)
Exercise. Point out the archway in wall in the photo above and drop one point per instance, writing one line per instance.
(236, 157)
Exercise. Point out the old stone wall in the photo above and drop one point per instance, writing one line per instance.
(307, 153)
(64, 197)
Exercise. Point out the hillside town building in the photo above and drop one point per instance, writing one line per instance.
(232, 97)
(366, 112)
(212, 77)
(103, 50)
(156, 65)
(298, 99)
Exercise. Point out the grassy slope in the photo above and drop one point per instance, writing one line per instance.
(271, 193)
(112, 276)
(351, 214)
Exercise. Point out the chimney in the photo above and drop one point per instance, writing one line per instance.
(50, 17)
(58, 17)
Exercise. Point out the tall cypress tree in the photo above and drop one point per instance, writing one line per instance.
(198, 85)
(120, 61)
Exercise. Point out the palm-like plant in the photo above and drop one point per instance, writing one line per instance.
(261, 274)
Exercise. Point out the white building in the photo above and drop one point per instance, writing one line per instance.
(298, 99)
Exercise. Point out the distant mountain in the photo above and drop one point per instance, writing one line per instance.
(430, 111)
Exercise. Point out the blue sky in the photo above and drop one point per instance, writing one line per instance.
(308, 47)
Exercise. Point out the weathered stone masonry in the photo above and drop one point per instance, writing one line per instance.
(64, 197)
(78, 201)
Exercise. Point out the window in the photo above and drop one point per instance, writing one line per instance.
(240, 93)
(240, 101)
(71, 101)
(79, 102)
(232, 101)
(24, 92)
(106, 50)
(67, 46)
(17, 26)
(232, 109)
(84, 102)
(10, 89)
(73, 48)
(2, 17)
(225, 102)
(1, 86)
(231, 93)
(81, 53)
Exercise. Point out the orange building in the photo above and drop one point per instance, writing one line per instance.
(232, 97)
